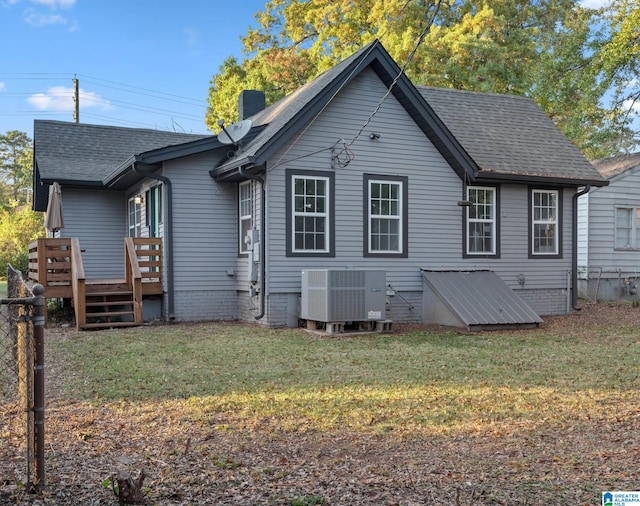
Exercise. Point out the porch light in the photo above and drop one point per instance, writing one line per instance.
(138, 199)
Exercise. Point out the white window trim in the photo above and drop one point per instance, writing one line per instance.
(135, 228)
(554, 222)
(492, 221)
(325, 214)
(397, 217)
(634, 229)
(243, 246)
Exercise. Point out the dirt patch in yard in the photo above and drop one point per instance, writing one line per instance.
(223, 459)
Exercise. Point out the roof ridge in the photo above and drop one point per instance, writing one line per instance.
(483, 93)
(114, 127)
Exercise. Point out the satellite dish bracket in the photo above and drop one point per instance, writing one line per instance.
(240, 129)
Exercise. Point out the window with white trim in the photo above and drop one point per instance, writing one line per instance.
(385, 215)
(135, 217)
(481, 221)
(545, 210)
(627, 228)
(245, 214)
(310, 212)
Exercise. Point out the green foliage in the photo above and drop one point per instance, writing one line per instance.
(568, 58)
(18, 226)
(15, 167)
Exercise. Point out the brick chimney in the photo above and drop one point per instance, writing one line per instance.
(250, 102)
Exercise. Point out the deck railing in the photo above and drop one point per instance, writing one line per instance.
(133, 277)
(149, 255)
(78, 283)
(50, 264)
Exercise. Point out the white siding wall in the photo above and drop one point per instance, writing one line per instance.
(622, 191)
(98, 219)
(435, 220)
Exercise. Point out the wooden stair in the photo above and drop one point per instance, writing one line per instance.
(109, 303)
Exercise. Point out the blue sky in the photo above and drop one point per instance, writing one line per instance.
(139, 63)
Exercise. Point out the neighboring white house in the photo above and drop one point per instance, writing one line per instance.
(434, 187)
(609, 232)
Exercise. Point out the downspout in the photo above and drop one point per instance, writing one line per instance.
(168, 234)
(263, 246)
(574, 248)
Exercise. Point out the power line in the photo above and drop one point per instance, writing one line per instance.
(397, 78)
(124, 87)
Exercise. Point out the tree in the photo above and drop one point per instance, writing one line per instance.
(19, 225)
(16, 166)
(550, 50)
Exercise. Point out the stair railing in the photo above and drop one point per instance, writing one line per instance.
(78, 281)
(133, 277)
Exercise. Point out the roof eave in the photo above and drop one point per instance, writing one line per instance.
(537, 179)
(231, 171)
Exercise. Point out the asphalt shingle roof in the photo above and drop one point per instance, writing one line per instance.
(508, 134)
(80, 152)
(610, 167)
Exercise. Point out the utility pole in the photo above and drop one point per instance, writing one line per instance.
(76, 100)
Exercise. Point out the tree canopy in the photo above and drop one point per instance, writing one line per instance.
(18, 223)
(15, 167)
(578, 64)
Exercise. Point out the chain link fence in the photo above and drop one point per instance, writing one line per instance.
(22, 384)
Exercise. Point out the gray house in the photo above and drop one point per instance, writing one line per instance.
(608, 232)
(465, 202)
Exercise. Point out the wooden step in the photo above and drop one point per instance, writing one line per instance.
(109, 314)
(107, 325)
(117, 293)
(109, 304)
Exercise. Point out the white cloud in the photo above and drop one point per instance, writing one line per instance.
(594, 4)
(60, 98)
(55, 4)
(36, 19)
(2, 86)
(633, 106)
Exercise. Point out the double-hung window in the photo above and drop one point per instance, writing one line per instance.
(545, 214)
(482, 229)
(135, 217)
(310, 213)
(627, 228)
(245, 215)
(385, 215)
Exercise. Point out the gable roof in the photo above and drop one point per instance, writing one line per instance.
(81, 153)
(483, 136)
(282, 120)
(510, 137)
(616, 165)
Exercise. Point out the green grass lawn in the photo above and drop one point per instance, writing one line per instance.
(544, 416)
(3, 288)
(435, 381)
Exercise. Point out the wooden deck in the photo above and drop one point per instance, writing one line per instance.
(98, 303)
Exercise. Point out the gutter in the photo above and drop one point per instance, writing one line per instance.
(263, 246)
(574, 248)
(168, 233)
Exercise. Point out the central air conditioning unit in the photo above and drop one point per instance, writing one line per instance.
(332, 295)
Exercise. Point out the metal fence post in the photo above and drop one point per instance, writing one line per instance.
(38, 387)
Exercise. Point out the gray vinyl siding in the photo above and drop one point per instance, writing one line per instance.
(204, 241)
(435, 222)
(98, 219)
(621, 192)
